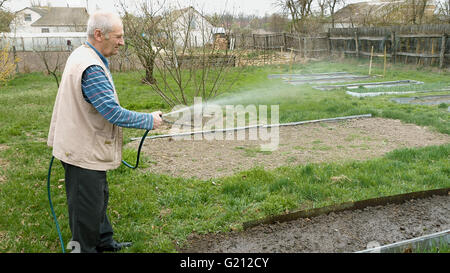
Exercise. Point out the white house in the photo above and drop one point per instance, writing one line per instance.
(47, 28)
(50, 20)
(189, 22)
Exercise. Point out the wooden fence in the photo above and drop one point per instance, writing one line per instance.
(425, 44)
(306, 45)
(422, 45)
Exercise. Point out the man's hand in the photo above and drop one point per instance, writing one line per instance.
(157, 119)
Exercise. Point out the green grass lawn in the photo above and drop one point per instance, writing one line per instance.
(158, 212)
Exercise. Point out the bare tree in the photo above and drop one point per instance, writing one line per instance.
(140, 33)
(124, 58)
(299, 11)
(365, 16)
(54, 70)
(443, 11)
(413, 11)
(328, 8)
(53, 60)
(277, 23)
(332, 5)
(178, 46)
(189, 57)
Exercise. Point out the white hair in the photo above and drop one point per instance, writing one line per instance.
(102, 20)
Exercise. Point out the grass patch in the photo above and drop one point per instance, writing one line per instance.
(252, 151)
(441, 247)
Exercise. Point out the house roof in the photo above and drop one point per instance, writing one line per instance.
(61, 16)
(358, 12)
(175, 14)
(40, 10)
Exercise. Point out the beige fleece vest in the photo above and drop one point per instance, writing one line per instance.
(78, 133)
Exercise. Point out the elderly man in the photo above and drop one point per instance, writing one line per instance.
(86, 134)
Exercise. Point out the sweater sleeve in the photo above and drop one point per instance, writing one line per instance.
(98, 91)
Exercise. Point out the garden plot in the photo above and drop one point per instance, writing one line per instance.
(442, 100)
(297, 79)
(424, 100)
(347, 231)
(311, 75)
(328, 79)
(387, 84)
(374, 94)
(358, 139)
(400, 89)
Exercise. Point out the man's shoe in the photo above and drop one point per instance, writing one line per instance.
(114, 246)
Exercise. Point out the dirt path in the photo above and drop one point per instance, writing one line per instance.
(358, 139)
(348, 231)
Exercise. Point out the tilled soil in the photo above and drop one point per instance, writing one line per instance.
(356, 139)
(347, 231)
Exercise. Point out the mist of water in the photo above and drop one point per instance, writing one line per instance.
(268, 95)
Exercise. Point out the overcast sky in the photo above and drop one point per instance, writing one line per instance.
(256, 7)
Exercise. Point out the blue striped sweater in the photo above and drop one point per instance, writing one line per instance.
(99, 91)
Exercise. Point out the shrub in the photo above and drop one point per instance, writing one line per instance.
(443, 105)
(7, 66)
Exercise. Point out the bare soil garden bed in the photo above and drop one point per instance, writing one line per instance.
(357, 139)
(347, 231)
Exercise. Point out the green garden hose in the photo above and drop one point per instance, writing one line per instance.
(51, 204)
(138, 153)
(49, 194)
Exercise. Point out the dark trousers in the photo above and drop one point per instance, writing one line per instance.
(87, 198)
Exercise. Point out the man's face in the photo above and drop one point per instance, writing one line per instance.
(111, 46)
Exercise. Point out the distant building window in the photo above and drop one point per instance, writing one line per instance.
(28, 17)
(193, 24)
(45, 30)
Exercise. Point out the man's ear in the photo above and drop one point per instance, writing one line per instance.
(98, 35)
